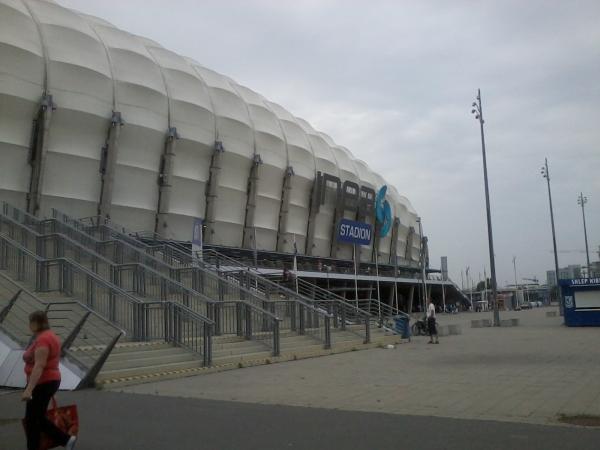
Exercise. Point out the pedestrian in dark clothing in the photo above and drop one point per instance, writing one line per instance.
(431, 325)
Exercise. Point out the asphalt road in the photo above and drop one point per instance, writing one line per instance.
(111, 420)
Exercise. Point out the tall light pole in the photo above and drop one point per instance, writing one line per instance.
(516, 283)
(423, 277)
(546, 175)
(581, 200)
(478, 111)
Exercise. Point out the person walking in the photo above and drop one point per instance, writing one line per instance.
(43, 380)
(431, 325)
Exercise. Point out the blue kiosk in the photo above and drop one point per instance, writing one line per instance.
(581, 298)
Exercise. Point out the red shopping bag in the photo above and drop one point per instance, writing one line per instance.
(65, 418)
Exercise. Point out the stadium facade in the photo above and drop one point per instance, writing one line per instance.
(95, 121)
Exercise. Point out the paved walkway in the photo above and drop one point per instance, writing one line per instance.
(529, 373)
(118, 421)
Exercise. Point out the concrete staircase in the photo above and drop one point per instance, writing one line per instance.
(131, 364)
(139, 362)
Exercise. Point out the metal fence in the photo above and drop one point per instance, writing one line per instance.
(148, 278)
(221, 286)
(87, 338)
(142, 321)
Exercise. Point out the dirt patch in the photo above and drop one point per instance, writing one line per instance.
(581, 420)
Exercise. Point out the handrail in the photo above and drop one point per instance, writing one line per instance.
(278, 286)
(327, 310)
(136, 314)
(137, 249)
(159, 261)
(105, 260)
(86, 271)
(191, 263)
(246, 293)
(110, 285)
(258, 276)
(87, 379)
(62, 236)
(89, 310)
(190, 260)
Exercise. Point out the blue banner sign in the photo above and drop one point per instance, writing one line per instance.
(353, 232)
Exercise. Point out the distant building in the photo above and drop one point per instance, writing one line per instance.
(595, 269)
(565, 273)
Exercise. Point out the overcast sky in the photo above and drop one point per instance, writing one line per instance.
(394, 82)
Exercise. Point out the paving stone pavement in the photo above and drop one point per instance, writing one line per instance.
(530, 373)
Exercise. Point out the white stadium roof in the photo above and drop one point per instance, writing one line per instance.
(91, 69)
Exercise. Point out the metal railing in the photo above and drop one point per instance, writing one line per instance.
(284, 312)
(296, 313)
(313, 317)
(375, 309)
(148, 277)
(112, 303)
(87, 338)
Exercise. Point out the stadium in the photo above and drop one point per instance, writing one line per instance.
(132, 131)
(99, 123)
(147, 198)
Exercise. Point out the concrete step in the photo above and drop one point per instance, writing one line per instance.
(154, 372)
(250, 347)
(241, 360)
(253, 359)
(126, 347)
(148, 360)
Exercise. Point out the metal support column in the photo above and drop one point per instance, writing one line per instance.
(409, 244)
(249, 240)
(394, 244)
(164, 182)
(284, 210)
(315, 206)
(38, 152)
(108, 164)
(211, 191)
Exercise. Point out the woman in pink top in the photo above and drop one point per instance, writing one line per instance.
(43, 379)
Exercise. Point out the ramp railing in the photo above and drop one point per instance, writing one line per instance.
(295, 314)
(87, 338)
(115, 305)
(144, 276)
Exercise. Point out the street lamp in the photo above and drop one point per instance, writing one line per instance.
(423, 277)
(516, 282)
(581, 200)
(546, 174)
(478, 112)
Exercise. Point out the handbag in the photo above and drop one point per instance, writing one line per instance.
(66, 418)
